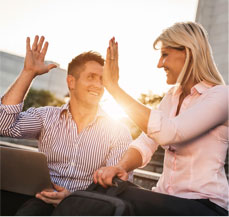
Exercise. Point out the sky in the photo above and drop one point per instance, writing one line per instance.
(74, 26)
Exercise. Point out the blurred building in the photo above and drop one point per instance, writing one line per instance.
(213, 15)
(11, 65)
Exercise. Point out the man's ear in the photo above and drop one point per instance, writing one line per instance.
(71, 82)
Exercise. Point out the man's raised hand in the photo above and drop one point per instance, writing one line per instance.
(34, 60)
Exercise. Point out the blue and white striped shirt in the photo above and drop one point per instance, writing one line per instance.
(72, 157)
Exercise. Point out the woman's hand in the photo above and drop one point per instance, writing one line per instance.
(111, 69)
(105, 175)
(53, 197)
(34, 60)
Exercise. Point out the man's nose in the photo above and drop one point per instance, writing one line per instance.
(99, 83)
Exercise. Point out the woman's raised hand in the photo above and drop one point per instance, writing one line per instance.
(34, 60)
(111, 69)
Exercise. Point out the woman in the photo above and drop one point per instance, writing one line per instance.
(191, 124)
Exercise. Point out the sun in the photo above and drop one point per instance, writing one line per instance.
(110, 106)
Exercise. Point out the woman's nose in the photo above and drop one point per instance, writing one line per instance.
(160, 63)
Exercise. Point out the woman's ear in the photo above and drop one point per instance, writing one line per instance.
(71, 82)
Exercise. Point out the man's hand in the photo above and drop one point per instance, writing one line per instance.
(105, 175)
(53, 197)
(34, 60)
(34, 65)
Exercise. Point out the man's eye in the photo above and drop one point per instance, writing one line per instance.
(164, 55)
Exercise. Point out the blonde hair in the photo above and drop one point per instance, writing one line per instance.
(199, 64)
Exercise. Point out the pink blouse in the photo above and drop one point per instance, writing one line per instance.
(195, 143)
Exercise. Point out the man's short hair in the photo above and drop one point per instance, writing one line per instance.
(78, 63)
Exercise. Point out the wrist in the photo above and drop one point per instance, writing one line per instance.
(121, 167)
(112, 88)
(29, 74)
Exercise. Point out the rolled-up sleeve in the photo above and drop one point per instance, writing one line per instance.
(145, 146)
(8, 118)
(17, 124)
(210, 111)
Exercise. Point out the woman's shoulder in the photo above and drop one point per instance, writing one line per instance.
(218, 89)
(217, 94)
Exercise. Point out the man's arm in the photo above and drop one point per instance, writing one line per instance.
(119, 144)
(13, 122)
(34, 65)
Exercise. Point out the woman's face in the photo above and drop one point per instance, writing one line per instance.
(172, 60)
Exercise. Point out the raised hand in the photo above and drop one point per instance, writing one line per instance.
(111, 69)
(34, 60)
(34, 65)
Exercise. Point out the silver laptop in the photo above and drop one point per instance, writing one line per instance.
(23, 171)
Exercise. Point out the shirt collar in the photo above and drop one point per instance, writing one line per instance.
(65, 111)
(200, 87)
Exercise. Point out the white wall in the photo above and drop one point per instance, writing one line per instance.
(213, 15)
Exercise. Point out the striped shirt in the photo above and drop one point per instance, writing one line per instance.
(72, 157)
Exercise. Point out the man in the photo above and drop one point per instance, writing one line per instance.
(77, 138)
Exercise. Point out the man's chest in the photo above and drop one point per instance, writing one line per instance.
(62, 143)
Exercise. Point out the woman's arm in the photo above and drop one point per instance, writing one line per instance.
(210, 111)
(131, 160)
(136, 111)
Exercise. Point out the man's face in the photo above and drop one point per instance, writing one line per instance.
(88, 88)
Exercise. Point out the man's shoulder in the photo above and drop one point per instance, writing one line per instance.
(49, 108)
(47, 111)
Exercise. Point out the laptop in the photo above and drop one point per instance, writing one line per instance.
(23, 171)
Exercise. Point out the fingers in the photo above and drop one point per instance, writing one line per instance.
(51, 66)
(97, 176)
(105, 175)
(48, 194)
(48, 200)
(111, 45)
(44, 50)
(112, 50)
(28, 44)
(34, 46)
(39, 46)
(108, 57)
(57, 187)
(51, 195)
(116, 52)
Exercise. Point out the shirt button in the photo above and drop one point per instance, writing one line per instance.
(72, 164)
